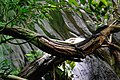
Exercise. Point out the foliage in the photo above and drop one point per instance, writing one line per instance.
(4, 68)
(33, 55)
(65, 70)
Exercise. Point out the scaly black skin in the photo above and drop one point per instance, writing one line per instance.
(95, 34)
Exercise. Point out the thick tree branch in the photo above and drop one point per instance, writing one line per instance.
(43, 42)
(58, 49)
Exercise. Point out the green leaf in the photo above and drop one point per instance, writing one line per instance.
(59, 71)
(14, 72)
(29, 55)
(71, 63)
(73, 2)
(105, 2)
(53, 6)
(23, 10)
(90, 1)
(2, 24)
(82, 1)
(95, 2)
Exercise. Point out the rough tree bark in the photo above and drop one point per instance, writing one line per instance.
(61, 50)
